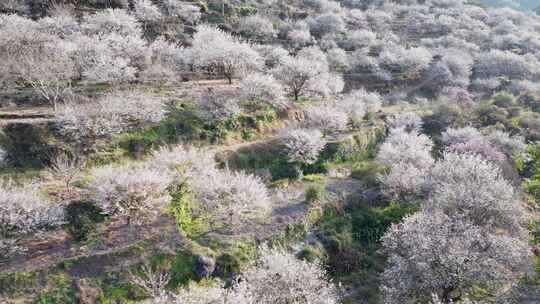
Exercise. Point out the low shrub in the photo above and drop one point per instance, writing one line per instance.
(61, 293)
(351, 238)
(313, 253)
(26, 145)
(82, 218)
(315, 193)
(320, 166)
(181, 208)
(504, 100)
(227, 266)
(182, 269)
(491, 114)
(368, 172)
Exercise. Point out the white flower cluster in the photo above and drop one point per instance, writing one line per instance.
(303, 145)
(276, 277)
(111, 114)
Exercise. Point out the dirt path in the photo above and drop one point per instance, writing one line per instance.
(57, 247)
(25, 115)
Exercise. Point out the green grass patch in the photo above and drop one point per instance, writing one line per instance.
(183, 209)
(117, 290)
(182, 269)
(60, 293)
(315, 194)
(352, 241)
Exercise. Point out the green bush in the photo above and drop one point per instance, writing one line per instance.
(504, 100)
(370, 224)
(514, 111)
(116, 289)
(318, 167)
(368, 172)
(183, 269)
(531, 169)
(82, 218)
(315, 193)
(278, 166)
(534, 227)
(181, 208)
(230, 263)
(62, 293)
(246, 10)
(186, 122)
(490, 114)
(530, 124)
(531, 101)
(444, 116)
(183, 122)
(352, 238)
(27, 145)
(227, 266)
(313, 253)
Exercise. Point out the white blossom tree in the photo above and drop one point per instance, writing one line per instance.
(470, 140)
(62, 23)
(308, 72)
(136, 192)
(271, 54)
(470, 186)
(338, 59)
(410, 121)
(49, 71)
(302, 145)
(219, 51)
(408, 157)
(433, 253)
(479, 146)
(505, 63)
(223, 194)
(329, 23)
(205, 295)
(257, 27)
(186, 161)
(407, 147)
(153, 280)
(451, 70)
(510, 145)
(295, 74)
(111, 114)
(146, 12)
(24, 210)
(360, 39)
(360, 102)
(110, 57)
(231, 196)
(460, 135)
(279, 277)
(327, 118)
(186, 11)
(111, 21)
(263, 87)
(405, 182)
(14, 6)
(299, 37)
(41, 59)
(218, 106)
(408, 63)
